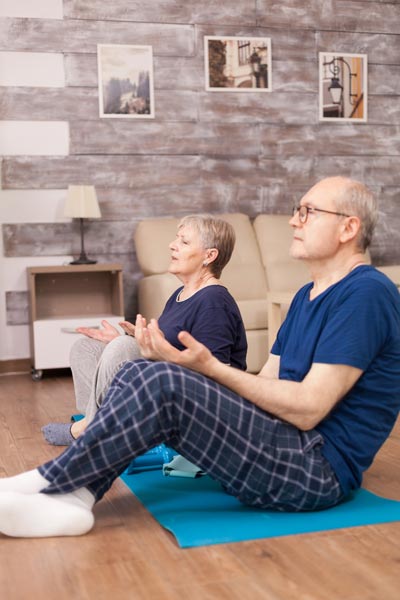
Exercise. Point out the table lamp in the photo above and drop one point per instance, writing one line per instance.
(81, 203)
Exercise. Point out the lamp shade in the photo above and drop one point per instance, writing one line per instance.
(82, 202)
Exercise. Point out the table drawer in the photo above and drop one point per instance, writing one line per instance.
(53, 339)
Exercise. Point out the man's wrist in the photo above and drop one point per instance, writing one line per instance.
(215, 368)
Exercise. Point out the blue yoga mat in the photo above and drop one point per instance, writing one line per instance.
(197, 511)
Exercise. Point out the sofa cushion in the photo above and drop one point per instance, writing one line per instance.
(393, 272)
(254, 313)
(152, 238)
(153, 293)
(244, 274)
(274, 235)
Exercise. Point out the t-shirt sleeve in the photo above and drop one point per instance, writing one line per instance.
(356, 329)
(219, 339)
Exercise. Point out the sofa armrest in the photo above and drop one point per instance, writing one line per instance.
(278, 304)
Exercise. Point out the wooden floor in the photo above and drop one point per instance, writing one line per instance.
(129, 556)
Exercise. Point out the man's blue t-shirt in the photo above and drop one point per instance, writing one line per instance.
(211, 316)
(355, 322)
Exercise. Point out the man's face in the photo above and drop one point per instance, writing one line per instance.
(319, 237)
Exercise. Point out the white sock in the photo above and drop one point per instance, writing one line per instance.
(46, 515)
(30, 482)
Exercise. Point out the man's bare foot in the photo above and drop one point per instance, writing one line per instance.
(78, 427)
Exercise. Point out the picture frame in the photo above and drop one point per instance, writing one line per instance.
(237, 64)
(126, 81)
(343, 91)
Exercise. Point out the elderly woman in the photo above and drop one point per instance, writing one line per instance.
(201, 306)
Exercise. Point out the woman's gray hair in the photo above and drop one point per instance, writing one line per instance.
(214, 233)
(356, 199)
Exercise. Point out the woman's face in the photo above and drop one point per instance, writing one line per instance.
(187, 253)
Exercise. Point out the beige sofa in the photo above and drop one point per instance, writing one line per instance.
(260, 275)
(260, 262)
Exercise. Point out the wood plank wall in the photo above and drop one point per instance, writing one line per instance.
(204, 151)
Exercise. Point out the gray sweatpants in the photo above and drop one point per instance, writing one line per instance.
(94, 366)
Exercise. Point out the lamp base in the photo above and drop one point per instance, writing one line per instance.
(83, 262)
(83, 259)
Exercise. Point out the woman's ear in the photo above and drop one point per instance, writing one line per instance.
(211, 255)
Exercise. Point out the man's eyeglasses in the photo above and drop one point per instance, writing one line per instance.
(305, 210)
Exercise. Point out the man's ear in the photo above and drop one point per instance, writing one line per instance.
(351, 229)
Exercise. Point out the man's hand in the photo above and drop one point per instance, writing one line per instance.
(154, 346)
(104, 335)
(196, 356)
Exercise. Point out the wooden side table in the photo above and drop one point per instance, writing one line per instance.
(62, 298)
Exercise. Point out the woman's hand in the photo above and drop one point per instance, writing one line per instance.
(128, 328)
(105, 335)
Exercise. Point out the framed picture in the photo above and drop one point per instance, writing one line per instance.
(237, 64)
(343, 88)
(126, 88)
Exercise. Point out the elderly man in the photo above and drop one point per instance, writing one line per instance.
(296, 437)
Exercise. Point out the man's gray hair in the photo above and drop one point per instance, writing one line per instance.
(355, 198)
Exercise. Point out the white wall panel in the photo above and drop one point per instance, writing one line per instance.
(32, 69)
(14, 269)
(24, 206)
(29, 69)
(43, 9)
(32, 206)
(14, 340)
(36, 138)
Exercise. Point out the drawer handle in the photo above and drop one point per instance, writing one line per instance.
(73, 329)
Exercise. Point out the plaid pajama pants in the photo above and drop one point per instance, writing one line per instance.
(261, 460)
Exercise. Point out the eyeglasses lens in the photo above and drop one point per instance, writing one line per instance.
(302, 211)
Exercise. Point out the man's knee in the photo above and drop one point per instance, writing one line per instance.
(144, 371)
